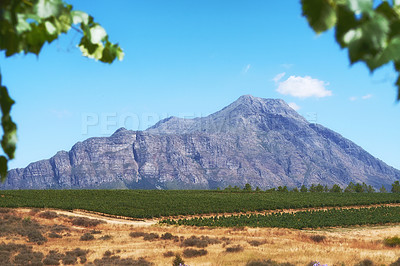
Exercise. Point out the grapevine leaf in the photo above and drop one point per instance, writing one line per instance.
(320, 14)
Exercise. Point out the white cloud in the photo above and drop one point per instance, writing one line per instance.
(304, 87)
(294, 106)
(246, 68)
(278, 77)
(353, 98)
(365, 97)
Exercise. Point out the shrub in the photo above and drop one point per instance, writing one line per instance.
(36, 237)
(256, 243)
(150, 237)
(136, 234)
(167, 236)
(392, 241)
(107, 254)
(27, 257)
(168, 254)
(237, 248)
(194, 241)
(48, 215)
(58, 228)
(191, 253)
(116, 260)
(317, 238)
(267, 263)
(54, 235)
(366, 262)
(53, 258)
(5, 210)
(95, 232)
(178, 260)
(105, 237)
(86, 222)
(87, 237)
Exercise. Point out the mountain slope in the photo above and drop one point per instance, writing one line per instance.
(259, 141)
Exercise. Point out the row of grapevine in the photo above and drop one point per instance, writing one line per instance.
(157, 203)
(300, 220)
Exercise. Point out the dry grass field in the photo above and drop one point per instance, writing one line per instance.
(127, 242)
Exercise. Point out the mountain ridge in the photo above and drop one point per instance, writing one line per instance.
(253, 140)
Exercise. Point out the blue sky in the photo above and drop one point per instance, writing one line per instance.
(192, 58)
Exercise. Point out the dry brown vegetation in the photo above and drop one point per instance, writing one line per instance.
(53, 237)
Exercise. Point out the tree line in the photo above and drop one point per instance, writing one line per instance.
(351, 188)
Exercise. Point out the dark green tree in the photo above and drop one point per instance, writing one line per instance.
(358, 188)
(258, 189)
(369, 30)
(350, 188)
(25, 26)
(295, 189)
(247, 187)
(303, 189)
(383, 189)
(283, 189)
(335, 189)
(396, 187)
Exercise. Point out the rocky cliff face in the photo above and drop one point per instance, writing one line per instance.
(258, 141)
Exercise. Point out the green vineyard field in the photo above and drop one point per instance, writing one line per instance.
(157, 203)
(302, 219)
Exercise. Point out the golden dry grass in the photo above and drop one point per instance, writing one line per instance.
(342, 246)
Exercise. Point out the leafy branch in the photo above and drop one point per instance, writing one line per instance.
(371, 35)
(25, 26)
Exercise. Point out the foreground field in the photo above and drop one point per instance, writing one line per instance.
(126, 242)
(155, 203)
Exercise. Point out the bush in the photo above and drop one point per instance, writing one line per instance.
(36, 237)
(48, 215)
(94, 232)
(136, 234)
(191, 253)
(116, 260)
(105, 237)
(178, 260)
(150, 237)
(168, 254)
(86, 222)
(58, 228)
(167, 236)
(365, 262)
(237, 248)
(317, 238)
(267, 263)
(53, 258)
(54, 235)
(392, 241)
(87, 237)
(27, 257)
(194, 241)
(256, 243)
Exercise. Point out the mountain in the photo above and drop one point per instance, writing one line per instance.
(259, 141)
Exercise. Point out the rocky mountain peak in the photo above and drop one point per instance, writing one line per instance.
(244, 114)
(253, 140)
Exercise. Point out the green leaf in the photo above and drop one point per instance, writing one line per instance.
(79, 17)
(9, 140)
(3, 168)
(346, 21)
(320, 14)
(360, 6)
(369, 39)
(48, 8)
